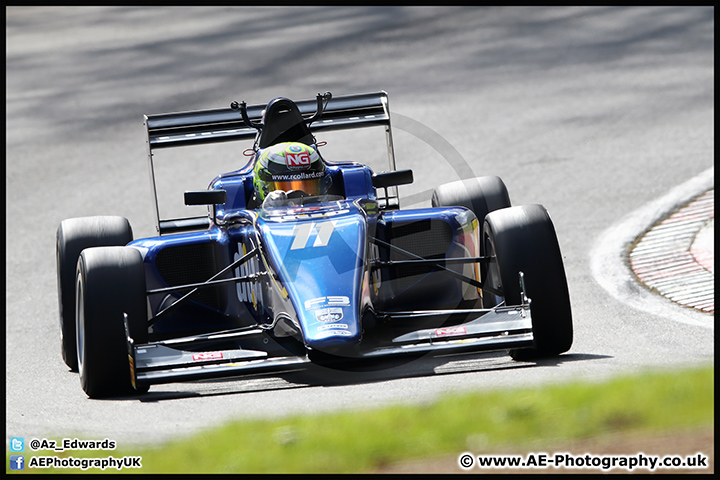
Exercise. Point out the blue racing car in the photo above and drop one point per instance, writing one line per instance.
(301, 260)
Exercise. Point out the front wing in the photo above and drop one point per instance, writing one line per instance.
(500, 328)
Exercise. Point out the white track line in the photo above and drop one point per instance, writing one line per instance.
(610, 265)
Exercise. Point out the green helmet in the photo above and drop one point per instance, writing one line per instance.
(289, 166)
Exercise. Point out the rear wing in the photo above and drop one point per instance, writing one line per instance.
(167, 130)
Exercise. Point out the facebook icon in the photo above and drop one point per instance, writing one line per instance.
(17, 462)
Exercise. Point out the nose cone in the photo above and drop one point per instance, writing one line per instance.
(320, 258)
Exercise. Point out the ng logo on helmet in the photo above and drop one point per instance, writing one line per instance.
(297, 161)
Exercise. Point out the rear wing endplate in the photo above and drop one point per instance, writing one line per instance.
(167, 130)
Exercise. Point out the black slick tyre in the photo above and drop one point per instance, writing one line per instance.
(523, 239)
(73, 236)
(110, 282)
(482, 195)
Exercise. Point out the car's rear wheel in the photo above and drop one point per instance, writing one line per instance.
(523, 239)
(482, 195)
(110, 282)
(73, 236)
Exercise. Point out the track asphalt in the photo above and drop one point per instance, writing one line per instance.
(676, 257)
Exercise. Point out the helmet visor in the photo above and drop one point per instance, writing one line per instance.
(311, 186)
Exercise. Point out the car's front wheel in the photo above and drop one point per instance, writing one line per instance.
(110, 282)
(523, 239)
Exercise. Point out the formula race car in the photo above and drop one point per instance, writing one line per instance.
(300, 260)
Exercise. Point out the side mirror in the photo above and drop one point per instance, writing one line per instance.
(392, 179)
(206, 197)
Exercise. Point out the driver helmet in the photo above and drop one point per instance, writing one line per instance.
(289, 166)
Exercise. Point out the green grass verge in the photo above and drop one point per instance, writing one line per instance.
(475, 422)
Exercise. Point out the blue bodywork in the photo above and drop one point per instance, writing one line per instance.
(319, 284)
